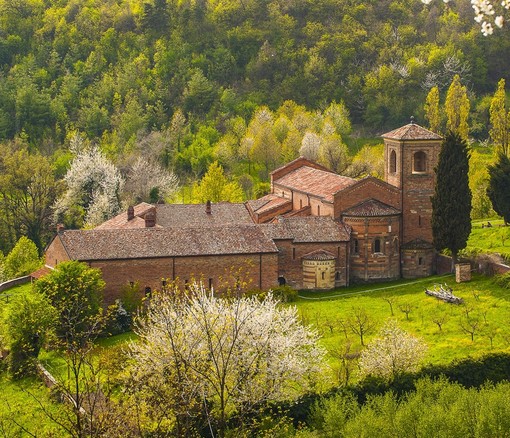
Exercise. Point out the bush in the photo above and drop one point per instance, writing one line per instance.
(119, 319)
(284, 294)
(503, 280)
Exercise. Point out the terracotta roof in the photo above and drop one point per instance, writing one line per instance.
(194, 215)
(370, 208)
(319, 255)
(412, 131)
(315, 182)
(165, 242)
(121, 220)
(267, 203)
(41, 272)
(308, 229)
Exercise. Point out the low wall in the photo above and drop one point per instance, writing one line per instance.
(15, 282)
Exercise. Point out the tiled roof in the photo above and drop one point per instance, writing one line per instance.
(370, 208)
(412, 131)
(121, 220)
(267, 203)
(308, 229)
(315, 182)
(165, 242)
(194, 215)
(319, 255)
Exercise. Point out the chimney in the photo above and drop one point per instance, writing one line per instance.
(150, 219)
(208, 207)
(130, 213)
(60, 228)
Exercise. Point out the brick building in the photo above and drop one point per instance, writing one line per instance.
(315, 229)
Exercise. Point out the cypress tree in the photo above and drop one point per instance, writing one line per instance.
(451, 203)
(499, 187)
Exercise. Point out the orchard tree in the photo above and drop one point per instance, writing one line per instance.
(457, 108)
(500, 119)
(451, 202)
(200, 356)
(391, 353)
(499, 187)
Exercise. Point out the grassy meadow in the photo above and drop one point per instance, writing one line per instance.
(487, 307)
(495, 239)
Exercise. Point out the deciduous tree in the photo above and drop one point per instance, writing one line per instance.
(432, 112)
(203, 356)
(391, 353)
(500, 119)
(457, 108)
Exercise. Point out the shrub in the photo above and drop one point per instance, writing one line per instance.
(503, 280)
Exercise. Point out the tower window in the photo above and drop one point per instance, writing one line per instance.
(420, 162)
(393, 161)
(377, 245)
(355, 246)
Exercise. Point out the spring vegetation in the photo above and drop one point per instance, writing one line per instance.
(107, 103)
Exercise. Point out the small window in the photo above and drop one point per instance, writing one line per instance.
(300, 204)
(323, 275)
(293, 253)
(210, 283)
(393, 161)
(163, 283)
(318, 210)
(337, 276)
(419, 220)
(420, 260)
(420, 162)
(355, 246)
(148, 291)
(395, 246)
(377, 245)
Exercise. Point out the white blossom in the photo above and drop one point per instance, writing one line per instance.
(394, 351)
(233, 354)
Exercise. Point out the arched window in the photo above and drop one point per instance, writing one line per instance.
(377, 245)
(393, 161)
(420, 162)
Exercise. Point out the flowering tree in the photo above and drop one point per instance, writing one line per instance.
(94, 184)
(149, 182)
(487, 13)
(391, 353)
(200, 356)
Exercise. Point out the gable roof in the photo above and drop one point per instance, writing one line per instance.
(194, 215)
(121, 220)
(111, 244)
(371, 208)
(411, 131)
(316, 182)
(319, 255)
(305, 229)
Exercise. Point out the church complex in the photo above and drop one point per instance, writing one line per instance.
(314, 230)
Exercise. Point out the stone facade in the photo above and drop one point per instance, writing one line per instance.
(316, 229)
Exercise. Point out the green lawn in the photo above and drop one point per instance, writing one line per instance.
(21, 413)
(495, 239)
(485, 302)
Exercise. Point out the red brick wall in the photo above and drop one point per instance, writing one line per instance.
(55, 253)
(366, 265)
(260, 270)
(363, 190)
(291, 264)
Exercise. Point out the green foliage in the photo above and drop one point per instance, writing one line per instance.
(74, 290)
(457, 108)
(451, 203)
(503, 280)
(498, 189)
(26, 322)
(23, 259)
(215, 187)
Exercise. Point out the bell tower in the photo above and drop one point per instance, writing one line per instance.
(411, 154)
